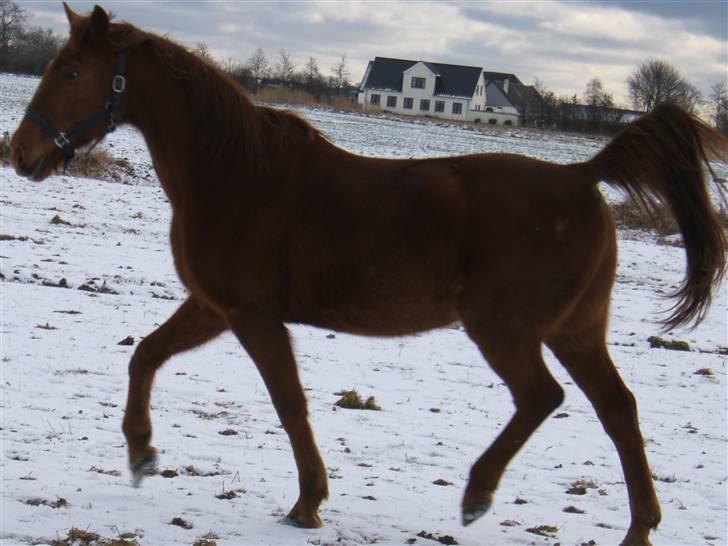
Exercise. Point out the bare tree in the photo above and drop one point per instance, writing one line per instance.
(596, 96)
(258, 65)
(548, 108)
(12, 22)
(599, 114)
(718, 102)
(285, 67)
(311, 71)
(202, 50)
(341, 74)
(656, 81)
(239, 72)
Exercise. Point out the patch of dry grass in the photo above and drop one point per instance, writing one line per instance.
(352, 400)
(60, 502)
(102, 165)
(283, 95)
(4, 151)
(657, 342)
(98, 164)
(81, 537)
(628, 215)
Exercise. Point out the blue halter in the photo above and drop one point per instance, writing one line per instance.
(62, 139)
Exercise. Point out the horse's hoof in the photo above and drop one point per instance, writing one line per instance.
(146, 467)
(471, 512)
(303, 522)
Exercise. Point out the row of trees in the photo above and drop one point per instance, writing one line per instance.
(651, 83)
(284, 72)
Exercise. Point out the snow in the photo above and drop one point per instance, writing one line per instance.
(63, 387)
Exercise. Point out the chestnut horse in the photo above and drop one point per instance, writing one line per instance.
(273, 224)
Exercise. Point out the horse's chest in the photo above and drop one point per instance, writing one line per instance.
(218, 266)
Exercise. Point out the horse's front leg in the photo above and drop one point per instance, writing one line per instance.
(268, 344)
(191, 325)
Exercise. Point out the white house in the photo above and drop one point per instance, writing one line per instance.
(420, 88)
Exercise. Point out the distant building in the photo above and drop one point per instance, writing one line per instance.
(420, 88)
(529, 102)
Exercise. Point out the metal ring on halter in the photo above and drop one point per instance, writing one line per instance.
(118, 84)
(61, 140)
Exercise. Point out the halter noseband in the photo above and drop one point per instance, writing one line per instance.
(62, 139)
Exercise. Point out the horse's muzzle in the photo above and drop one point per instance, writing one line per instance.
(32, 171)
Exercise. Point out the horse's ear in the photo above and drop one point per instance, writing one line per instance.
(73, 18)
(99, 25)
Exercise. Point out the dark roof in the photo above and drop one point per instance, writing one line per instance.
(454, 80)
(502, 76)
(524, 95)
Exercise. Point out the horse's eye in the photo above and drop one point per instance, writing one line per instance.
(69, 73)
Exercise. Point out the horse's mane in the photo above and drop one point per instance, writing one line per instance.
(229, 120)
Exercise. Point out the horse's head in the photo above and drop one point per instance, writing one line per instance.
(74, 102)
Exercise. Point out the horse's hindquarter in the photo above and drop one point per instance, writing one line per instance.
(537, 236)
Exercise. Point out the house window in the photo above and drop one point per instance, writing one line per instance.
(439, 106)
(457, 108)
(374, 99)
(425, 105)
(392, 101)
(408, 103)
(492, 121)
(417, 83)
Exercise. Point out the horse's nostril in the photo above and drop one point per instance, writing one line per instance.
(18, 160)
(16, 155)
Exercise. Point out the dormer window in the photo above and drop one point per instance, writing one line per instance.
(417, 83)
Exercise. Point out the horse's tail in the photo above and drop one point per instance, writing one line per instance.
(658, 160)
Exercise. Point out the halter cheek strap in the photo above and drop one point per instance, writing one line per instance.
(62, 139)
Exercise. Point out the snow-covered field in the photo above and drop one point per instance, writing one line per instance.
(84, 264)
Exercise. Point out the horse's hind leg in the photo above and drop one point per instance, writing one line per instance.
(191, 325)
(517, 360)
(268, 344)
(586, 358)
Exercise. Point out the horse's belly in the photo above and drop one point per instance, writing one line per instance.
(381, 313)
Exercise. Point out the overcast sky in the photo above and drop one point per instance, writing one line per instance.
(564, 43)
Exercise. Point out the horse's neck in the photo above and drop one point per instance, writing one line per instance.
(159, 107)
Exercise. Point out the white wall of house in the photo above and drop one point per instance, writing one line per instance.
(421, 71)
(478, 101)
(376, 99)
(494, 118)
(420, 100)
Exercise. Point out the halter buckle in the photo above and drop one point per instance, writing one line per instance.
(118, 84)
(61, 140)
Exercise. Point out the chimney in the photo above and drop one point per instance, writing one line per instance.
(505, 86)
